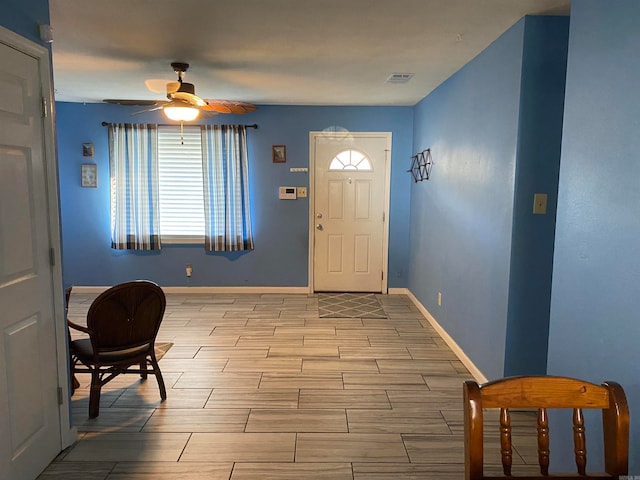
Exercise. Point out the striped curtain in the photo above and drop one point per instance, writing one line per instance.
(226, 188)
(133, 161)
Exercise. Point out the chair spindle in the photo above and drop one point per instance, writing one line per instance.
(505, 441)
(543, 441)
(579, 441)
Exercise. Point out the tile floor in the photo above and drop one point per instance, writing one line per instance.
(260, 387)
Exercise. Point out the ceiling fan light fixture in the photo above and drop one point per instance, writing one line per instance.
(181, 113)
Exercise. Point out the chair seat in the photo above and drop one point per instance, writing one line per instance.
(84, 351)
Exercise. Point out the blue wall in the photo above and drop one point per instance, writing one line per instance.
(544, 66)
(461, 218)
(280, 228)
(595, 303)
(475, 213)
(25, 16)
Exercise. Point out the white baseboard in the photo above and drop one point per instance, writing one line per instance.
(398, 291)
(186, 290)
(183, 290)
(475, 371)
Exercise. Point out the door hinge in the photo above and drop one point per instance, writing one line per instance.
(383, 216)
(60, 396)
(52, 257)
(45, 108)
(382, 274)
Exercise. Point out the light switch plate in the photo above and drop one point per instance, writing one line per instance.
(539, 203)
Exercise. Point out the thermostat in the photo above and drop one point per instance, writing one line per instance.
(287, 193)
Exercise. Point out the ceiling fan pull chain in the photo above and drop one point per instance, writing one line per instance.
(181, 133)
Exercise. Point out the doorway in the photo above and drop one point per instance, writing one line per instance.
(349, 186)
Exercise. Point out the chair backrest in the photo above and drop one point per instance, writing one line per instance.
(544, 392)
(126, 316)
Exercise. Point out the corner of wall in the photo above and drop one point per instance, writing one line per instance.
(540, 120)
(466, 361)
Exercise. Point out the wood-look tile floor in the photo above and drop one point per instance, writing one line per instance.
(260, 387)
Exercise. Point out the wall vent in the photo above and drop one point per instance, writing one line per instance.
(399, 77)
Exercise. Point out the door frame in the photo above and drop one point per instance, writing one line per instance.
(68, 434)
(387, 187)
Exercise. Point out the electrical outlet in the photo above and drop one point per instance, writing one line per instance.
(302, 192)
(189, 270)
(439, 299)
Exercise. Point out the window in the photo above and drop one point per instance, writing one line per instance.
(189, 185)
(350, 160)
(180, 184)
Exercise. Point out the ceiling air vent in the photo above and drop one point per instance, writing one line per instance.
(399, 77)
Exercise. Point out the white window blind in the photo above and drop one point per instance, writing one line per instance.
(180, 178)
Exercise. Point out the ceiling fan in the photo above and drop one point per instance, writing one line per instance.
(183, 104)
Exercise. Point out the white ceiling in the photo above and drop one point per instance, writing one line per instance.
(285, 52)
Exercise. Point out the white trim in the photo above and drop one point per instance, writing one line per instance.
(312, 208)
(475, 371)
(387, 196)
(187, 290)
(399, 291)
(11, 38)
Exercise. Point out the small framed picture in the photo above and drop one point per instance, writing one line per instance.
(279, 153)
(87, 149)
(89, 173)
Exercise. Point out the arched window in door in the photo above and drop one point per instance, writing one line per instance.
(350, 160)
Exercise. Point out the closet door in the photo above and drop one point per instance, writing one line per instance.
(29, 410)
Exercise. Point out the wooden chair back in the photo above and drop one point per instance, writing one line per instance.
(126, 316)
(543, 392)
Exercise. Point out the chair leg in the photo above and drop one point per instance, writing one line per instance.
(72, 375)
(156, 368)
(143, 369)
(94, 395)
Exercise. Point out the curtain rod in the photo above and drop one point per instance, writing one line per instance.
(253, 125)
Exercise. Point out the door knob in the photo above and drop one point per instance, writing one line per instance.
(319, 226)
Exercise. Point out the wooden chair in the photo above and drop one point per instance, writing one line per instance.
(122, 324)
(544, 392)
(74, 381)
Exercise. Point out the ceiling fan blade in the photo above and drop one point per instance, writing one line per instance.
(207, 112)
(137, 103)
(156, 85)
(248, 107)
(158, 107)
(172, 87)
(190, 98)
(216, 107)
(229, 106)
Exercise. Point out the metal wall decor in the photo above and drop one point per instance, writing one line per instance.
(421, 165)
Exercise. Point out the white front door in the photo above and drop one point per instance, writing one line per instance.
(350, 198)
(30, 435)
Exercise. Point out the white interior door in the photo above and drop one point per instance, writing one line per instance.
(350, 197)
(29, 413)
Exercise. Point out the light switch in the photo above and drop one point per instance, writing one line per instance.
(539, 203)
